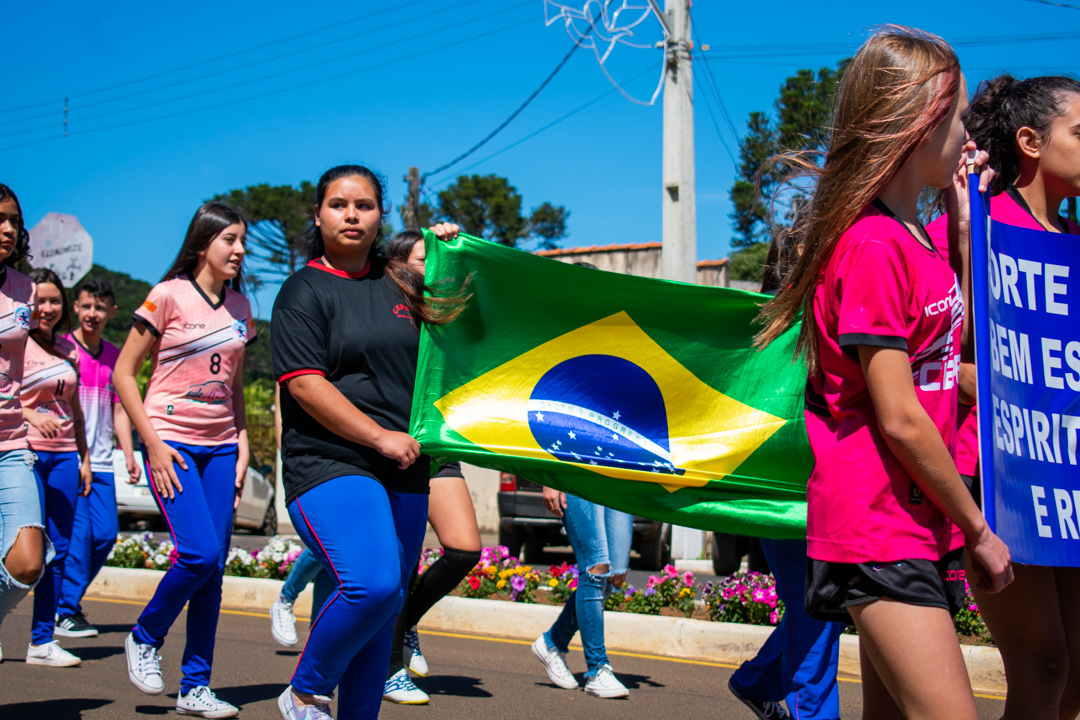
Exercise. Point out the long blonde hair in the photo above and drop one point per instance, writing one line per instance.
(900, 86)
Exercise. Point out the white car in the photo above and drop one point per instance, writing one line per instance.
(256, 511)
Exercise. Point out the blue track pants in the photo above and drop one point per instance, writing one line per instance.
(368, 539)
(58, 483)
(93, 535)
(200, 522)
(798, 661)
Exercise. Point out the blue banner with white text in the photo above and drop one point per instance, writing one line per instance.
(1027, 325)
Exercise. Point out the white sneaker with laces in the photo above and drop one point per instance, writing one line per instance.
(604, 684)
(202, 701)
(401, 690)
(555, 664)
(291, 711)
(283, 623)
(144, 666)
(413, 659)
(50, 654)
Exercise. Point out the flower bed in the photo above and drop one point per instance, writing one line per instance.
(748, 598)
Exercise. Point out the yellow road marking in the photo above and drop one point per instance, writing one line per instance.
(509, 641)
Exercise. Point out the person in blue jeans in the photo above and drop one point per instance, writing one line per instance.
(305, 568)
(600, 538)
(797, 663)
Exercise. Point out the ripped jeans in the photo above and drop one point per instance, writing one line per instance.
(20, 506)
(600, 537)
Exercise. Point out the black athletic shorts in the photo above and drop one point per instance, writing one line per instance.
(449, 470)
(831, 588)
(974, 487)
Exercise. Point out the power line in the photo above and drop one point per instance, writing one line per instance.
(715, 124)
(278, 91)
(508, 120)
(269, 76)
(553, 123)
(1056, 4)
(218, 58)
(712, 80)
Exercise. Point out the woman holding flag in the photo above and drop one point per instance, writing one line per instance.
(885, 503)
(1030, 130)
(346, 358)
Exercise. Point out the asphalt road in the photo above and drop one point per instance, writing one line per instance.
(471, 677)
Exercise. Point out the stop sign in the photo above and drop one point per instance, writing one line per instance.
(60, 243)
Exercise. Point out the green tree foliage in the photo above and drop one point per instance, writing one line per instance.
(800, 122)
(748, 263)
(277, 215)
(490, 207)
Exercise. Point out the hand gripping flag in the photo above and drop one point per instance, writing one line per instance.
(638, 394)
(1028, 357)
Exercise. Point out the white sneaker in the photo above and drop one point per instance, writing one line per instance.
(555, 664)
(283, 623)
(203, 702)
(144, 666)
(604, 684)
(413, 659)
(290, 711)
(401, 690)
(51, 655)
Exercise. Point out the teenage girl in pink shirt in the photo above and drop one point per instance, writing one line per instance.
(1030, 128)
(195, 324)
(885, 504)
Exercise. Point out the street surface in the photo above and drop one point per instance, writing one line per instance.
(471, 677)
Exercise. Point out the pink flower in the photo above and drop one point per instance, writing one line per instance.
(774, 617)
(688, 578)
(759, 595)
(670, 571)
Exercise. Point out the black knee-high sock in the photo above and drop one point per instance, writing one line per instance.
(439, 579)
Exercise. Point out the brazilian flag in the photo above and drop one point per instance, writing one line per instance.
(642, 395)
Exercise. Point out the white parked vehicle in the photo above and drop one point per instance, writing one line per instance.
(256, 511)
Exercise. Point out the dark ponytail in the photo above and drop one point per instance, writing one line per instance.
(1002, 106)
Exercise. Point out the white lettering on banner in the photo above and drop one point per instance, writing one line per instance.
(1051, 363)
(1017, 428)
(1041, 511)
(1019, 350)
(1005, 272)
(1063, 502)
(1072, 357)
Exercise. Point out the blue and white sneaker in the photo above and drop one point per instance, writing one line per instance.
(202, 702)
(414, 660)
(290, 711)
(401, 690)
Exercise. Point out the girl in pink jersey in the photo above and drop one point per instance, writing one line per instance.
(1030, 129)
(195, 324)
(24, 546)
(57, 435)
(881, 336)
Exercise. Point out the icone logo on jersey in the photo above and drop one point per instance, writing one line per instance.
(194, 326)
(22, 317)
(945, 304)
(240, 329)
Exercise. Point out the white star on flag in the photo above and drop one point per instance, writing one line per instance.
(540, 417)
(616, 415)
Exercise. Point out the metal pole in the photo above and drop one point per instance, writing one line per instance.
(679, 255)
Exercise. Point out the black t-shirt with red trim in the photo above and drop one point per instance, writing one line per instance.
(356, 331)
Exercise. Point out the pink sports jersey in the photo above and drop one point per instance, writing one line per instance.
(18, 314)
(881, 287)
(96, 397)
(1004, 209)
(49, 385)
(200, 346)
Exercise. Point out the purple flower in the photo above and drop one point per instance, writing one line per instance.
(649, 592)
(517, 583)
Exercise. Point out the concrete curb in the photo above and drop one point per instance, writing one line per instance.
(724, 643)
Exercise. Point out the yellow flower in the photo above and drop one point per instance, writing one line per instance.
(686, 591)
(553, 583)
(503, 574)
(501, 584)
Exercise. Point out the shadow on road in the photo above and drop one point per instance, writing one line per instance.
(152, 710)
(97, 652)
(454, 685)
(124, 628)
(65, 709)
(241, 695)
(633, 682)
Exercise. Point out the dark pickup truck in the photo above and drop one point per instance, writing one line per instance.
(524, 522)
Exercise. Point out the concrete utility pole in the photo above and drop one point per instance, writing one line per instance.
(679, 214)
(412, 200)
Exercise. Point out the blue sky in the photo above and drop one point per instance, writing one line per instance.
(412, 82)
